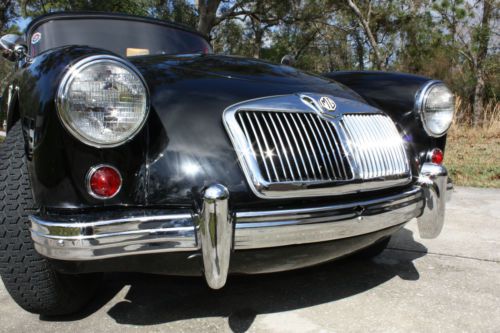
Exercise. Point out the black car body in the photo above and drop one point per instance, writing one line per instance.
(224, 164)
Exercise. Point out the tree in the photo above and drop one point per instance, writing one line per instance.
(40, 7)
(8, 13)
(207, 15)
(452, 40)
(365, 23)
(180, 11)
(482, 37)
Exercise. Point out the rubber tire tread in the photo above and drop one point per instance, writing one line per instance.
(27, 276)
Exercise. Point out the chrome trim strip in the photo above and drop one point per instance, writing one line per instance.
(211, 230)
(113, 237)
(382, 202)
(293, 231)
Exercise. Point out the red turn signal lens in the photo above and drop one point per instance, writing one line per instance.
(436, 156)
(104, 182)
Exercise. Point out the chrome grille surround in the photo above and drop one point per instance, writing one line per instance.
(289, 146)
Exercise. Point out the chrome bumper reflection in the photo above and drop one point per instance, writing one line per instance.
(215, 231)
(437, 190)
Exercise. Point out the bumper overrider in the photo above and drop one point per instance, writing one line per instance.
(216, 232)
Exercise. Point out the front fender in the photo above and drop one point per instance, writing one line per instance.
(58, 162)
(395, 94)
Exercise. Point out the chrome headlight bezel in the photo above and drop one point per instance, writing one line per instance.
(65, 84)
(420, 102)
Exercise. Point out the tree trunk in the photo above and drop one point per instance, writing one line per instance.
(379, 64)
(360, 50)
(257, 42)
(478, 99)
(207, 13)
(483, 41)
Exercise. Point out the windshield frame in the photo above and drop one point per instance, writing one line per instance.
(37, 22)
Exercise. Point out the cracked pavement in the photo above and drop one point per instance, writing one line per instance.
(451, 283)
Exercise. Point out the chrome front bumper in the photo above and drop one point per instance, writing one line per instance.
(217, 231)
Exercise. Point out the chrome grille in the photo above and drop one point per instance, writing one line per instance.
(377, 147)
(292, 146)
(289, 146)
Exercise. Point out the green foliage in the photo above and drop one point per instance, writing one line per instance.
(39, 7)
(442, 39)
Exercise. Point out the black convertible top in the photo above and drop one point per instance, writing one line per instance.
(102, 15)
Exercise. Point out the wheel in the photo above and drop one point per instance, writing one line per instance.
(28, 277)
(373, 250)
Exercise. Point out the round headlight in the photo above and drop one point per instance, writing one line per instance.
(436, 105)
(103, 101)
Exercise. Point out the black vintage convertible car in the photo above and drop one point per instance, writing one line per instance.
(131, 147)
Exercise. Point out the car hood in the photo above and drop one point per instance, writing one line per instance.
(230, 67)
(189, 147)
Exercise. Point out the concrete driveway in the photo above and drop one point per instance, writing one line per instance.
(450, 284)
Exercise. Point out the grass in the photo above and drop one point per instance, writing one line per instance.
(473, 155)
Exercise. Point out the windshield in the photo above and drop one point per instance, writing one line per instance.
(127, 38)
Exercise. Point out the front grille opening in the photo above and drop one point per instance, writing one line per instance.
(295, 147)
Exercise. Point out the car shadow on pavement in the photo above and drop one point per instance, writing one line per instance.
(153, 299)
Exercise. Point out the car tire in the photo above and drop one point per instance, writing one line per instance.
(373, 250)
(29, 277)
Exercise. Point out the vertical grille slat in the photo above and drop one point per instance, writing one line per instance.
(284, 151)
(276, 147)
(313, 150)
(388, 160)
(290, 147)
(337, 154)
(324, 151)
(364, 147)
(377, 135)
(379, 160)
(302, 147)
(356, 146)
(245, 130)
(396, 157)
(268, 153)
(257, 139)
(297, 146)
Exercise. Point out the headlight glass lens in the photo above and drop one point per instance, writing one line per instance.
(437, 109)
(103, 102)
